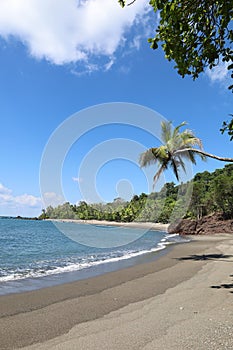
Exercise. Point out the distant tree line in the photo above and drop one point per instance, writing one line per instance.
(212, 192)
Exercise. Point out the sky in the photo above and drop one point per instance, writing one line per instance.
(61, 58)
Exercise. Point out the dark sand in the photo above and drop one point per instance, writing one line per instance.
(46, 314)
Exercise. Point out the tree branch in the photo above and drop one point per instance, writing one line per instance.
(223, 159)
(131, 3)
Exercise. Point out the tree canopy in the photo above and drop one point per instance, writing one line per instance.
(212, 193)
(196, 35)
(177, 147)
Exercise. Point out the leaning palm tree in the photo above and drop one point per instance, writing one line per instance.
(177, 147)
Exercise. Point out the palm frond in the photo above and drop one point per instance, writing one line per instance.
(160, 153)
(192, 157)
(166, 131)
(175, 168)
(189, 139)
(147, 158)
(159, 172)
(178, 147)
(188, 155)
(181, 163)
(153, 155)
(177, 129)
(203, 157)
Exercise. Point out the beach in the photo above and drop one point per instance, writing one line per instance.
(156, 226)
(183, 300)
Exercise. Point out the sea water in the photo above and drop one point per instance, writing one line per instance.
(35, 254)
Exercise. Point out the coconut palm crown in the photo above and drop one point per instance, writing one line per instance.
(178, 147)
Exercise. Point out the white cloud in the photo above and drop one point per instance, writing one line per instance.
(28, 200)
(53, 199)
(109, 64)
(77, 179)
(136, 42)
(24, 205)
(65, 31)
(4, 190)
(6, 196)
(219, 73)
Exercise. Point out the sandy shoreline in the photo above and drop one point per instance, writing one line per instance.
(183, 300)
(142, 225)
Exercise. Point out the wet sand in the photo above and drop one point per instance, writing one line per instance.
(183, 300)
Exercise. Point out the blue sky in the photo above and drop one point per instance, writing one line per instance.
(60, 57)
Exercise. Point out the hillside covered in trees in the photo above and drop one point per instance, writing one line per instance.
(211, 193)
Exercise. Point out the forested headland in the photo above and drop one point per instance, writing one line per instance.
(211, 193)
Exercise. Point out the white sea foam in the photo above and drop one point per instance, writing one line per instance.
(14, 276)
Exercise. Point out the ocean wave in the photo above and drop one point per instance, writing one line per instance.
(85, 263)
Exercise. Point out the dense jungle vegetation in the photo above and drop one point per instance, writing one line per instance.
(208, 193)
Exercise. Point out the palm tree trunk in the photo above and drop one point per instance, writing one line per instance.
(223, 159)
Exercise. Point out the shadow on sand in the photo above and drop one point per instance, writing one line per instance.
(224, 285)
(214, 257)
(217, 257)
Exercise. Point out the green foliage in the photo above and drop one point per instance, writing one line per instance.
(43, 215)
(212, 192)
(177, 147)
(196, 35)
(122, 3)
(228, 127)
(223, 194)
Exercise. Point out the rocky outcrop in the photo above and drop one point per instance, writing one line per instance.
(212, 224)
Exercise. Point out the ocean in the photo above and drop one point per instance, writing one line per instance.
(36, 254)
